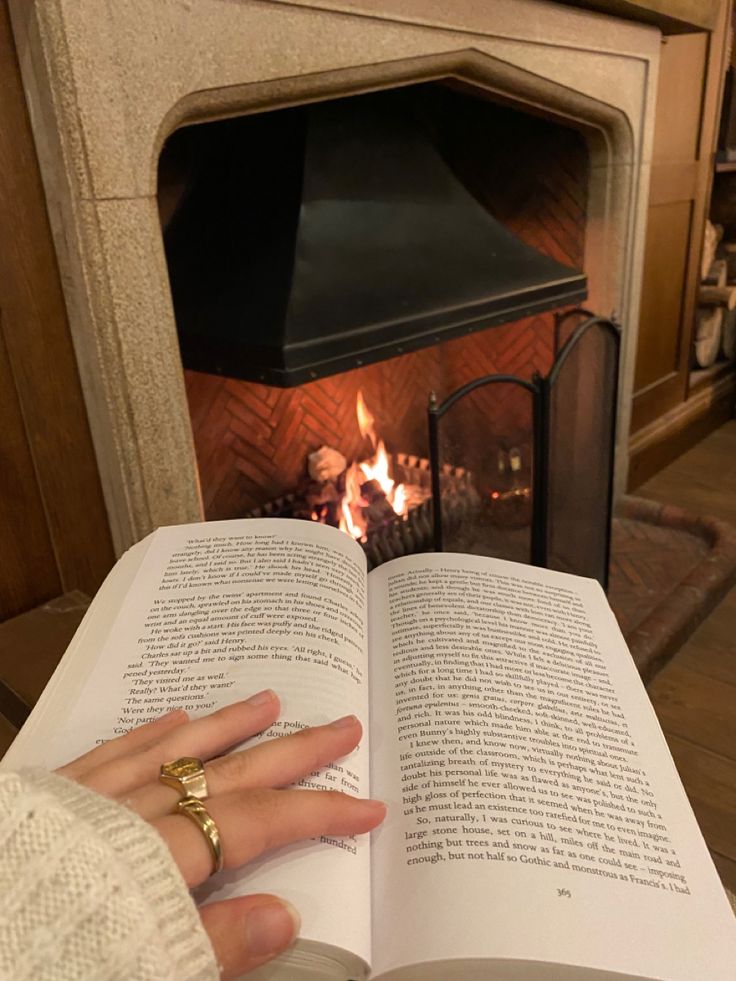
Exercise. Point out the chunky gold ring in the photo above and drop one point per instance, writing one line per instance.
(197, 812)
(185, 775)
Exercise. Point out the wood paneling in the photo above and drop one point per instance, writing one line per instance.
(675, 182)
(31, 646)
(56, 531)
(28, 573)
(682, 68)
(665, 262)
(688, 99)
(7, 735)
(666, 438)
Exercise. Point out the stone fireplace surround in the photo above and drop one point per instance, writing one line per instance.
(107, 82)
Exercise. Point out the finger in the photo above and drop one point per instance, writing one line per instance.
(275, 763)
(279, 762)
(251, 822)
(131, 742)
(248, 931)
(203, 738)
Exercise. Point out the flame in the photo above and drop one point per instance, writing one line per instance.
(366, 422)
(352, 520)
(399, 500)
(377, 469)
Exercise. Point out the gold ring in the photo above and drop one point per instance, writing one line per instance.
(185, 775)
(197, 812)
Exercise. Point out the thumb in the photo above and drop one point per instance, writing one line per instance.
(248, 931)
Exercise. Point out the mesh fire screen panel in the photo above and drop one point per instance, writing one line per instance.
(580, 442)
(538, 456)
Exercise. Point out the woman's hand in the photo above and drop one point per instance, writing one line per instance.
(251, 813)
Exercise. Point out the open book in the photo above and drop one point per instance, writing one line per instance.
(537, 828)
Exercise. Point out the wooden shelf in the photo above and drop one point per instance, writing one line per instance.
(725, 166)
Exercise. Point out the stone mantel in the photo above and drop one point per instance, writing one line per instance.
(107, 82)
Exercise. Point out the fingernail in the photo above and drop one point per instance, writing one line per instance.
(344, 722)
(171, 713)
(271, 927)
(262, 697)
(375, 805)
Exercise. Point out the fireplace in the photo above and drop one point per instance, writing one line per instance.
(110, 84)
(528, 177)
(309, 248)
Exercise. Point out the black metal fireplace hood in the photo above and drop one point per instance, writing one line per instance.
(322, 238)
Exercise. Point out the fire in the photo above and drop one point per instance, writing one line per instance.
(366, 422)
(352, 520)
(377, 469)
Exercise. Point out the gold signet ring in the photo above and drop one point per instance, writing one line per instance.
(185, 775)
(197, 812)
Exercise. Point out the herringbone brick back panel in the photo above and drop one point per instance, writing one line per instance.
(252, 440)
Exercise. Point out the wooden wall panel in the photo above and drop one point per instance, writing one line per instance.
(665, 262)
(49, 472)
(28, 573)
(680, 98)
(688, 97)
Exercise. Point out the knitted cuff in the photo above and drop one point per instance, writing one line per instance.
(93, 888)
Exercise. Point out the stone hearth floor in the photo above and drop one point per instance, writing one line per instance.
(669, 569)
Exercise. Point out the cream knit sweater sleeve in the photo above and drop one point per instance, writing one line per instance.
(89, 890)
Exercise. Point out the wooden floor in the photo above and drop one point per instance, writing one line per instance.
(695, 695)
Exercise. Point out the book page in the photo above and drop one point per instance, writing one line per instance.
(215, 613)
(535, 814)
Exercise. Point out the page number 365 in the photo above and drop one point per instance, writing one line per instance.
(564, 893)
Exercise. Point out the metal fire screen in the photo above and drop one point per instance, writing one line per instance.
(543, 491)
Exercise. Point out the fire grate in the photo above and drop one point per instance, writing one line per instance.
(409, 533)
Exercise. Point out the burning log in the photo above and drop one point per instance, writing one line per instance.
(315, 493)
(378, 510)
